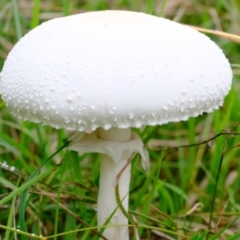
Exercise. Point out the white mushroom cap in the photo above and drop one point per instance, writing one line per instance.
(113, 69)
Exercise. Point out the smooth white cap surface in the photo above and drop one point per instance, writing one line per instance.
(113, 69)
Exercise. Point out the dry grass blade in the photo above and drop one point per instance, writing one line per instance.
(228, 36)
(73, 214)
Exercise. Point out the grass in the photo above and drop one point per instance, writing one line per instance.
(192, 189)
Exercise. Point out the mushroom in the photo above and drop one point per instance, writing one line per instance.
(109, 71)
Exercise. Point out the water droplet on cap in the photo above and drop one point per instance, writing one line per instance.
(69, 98)
(131, 115)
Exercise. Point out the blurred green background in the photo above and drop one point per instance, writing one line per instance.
(177, 197)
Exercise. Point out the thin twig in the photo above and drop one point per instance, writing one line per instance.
(223, 132)
(215, 189)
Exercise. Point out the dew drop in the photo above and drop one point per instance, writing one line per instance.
(107, 126)
(184, 91)
(66, 120)
(69, 98)
(138, 124)
(131, 115)
(12, 168)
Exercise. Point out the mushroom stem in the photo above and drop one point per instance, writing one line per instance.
(108, 179)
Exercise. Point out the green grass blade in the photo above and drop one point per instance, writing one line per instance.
(77, 177)
(17, 18)
(35, 14)
(235, 237)
(67, 7)
(199, 236)
(163, 5)
(23, 201)
(24, 187)
(63, 169)
(219, 234)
